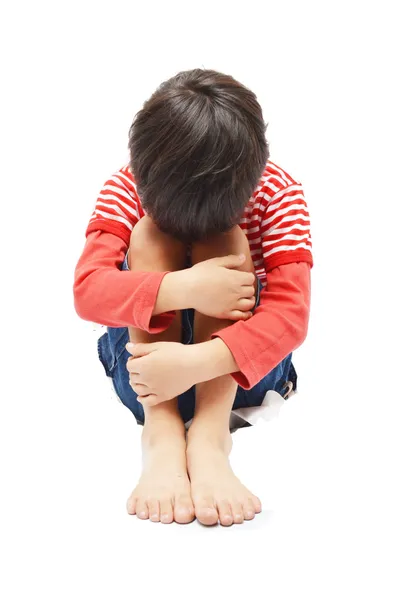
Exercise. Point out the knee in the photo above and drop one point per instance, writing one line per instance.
(232, 242)
(144, 231)
(155, 249)
(236, 238)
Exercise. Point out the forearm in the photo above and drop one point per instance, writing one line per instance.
(219, 360)
(250, 349)
(104, 294)
(278, 327)
(174, 293)
(211, 359)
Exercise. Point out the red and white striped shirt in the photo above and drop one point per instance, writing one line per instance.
(276, 220)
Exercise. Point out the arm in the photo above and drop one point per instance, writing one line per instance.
(148, 300)
(280, 323)
(279, 326)
(251, 349)
(104, 294)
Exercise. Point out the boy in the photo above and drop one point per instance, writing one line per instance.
(198, 253)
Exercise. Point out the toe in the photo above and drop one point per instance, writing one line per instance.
(206, 511)
(183, 509)
(131, 505)
(166, 511)
(257, 504)
(225, 513)
(142, 511)
(249, 509)
(154, 510)
(237, 512)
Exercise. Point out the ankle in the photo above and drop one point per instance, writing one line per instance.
(200, 435)
(160, 433)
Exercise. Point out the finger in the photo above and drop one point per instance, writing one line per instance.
(232, 261)
(136, 378)
(140, 349)
(246, 278)
(246, 304)
(247, 291)
(239, 315)
(141, 390)
(150, 400)
(134, 365)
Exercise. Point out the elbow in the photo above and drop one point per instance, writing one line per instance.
(303, 329)
(303, 333)
(80, 305)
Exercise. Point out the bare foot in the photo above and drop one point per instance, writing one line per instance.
(163, 491)
(217, 493)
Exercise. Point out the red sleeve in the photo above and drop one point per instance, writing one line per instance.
(277, 328)
(106, 295)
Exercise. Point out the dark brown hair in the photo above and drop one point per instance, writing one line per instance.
(197, 151)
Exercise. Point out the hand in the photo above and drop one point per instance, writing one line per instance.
(219, 290)
(162, 370)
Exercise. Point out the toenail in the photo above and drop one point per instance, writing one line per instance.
(238, 517)
(165, 517)
(155, 516)
(250, 514)
(142, 514)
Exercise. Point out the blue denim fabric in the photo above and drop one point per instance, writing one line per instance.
(114, 356)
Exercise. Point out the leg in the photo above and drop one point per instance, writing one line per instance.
(216, 491)
(163, 491)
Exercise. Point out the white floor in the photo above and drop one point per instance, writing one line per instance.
(324, 474)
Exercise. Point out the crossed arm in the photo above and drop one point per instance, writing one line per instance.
(248, 349)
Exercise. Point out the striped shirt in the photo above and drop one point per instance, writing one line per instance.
(276, 220)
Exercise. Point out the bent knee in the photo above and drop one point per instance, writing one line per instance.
(231, 242)
(151, 249)
(143, 231)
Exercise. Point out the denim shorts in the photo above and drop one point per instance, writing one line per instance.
(114, 356)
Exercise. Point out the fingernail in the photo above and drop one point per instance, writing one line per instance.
(241, 256)
(129, 346)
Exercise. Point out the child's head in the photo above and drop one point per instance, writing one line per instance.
(198, 149)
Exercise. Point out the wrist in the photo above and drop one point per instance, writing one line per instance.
(214, 359)
(174, 292)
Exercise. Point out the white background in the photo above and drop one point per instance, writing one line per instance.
(73, 76)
